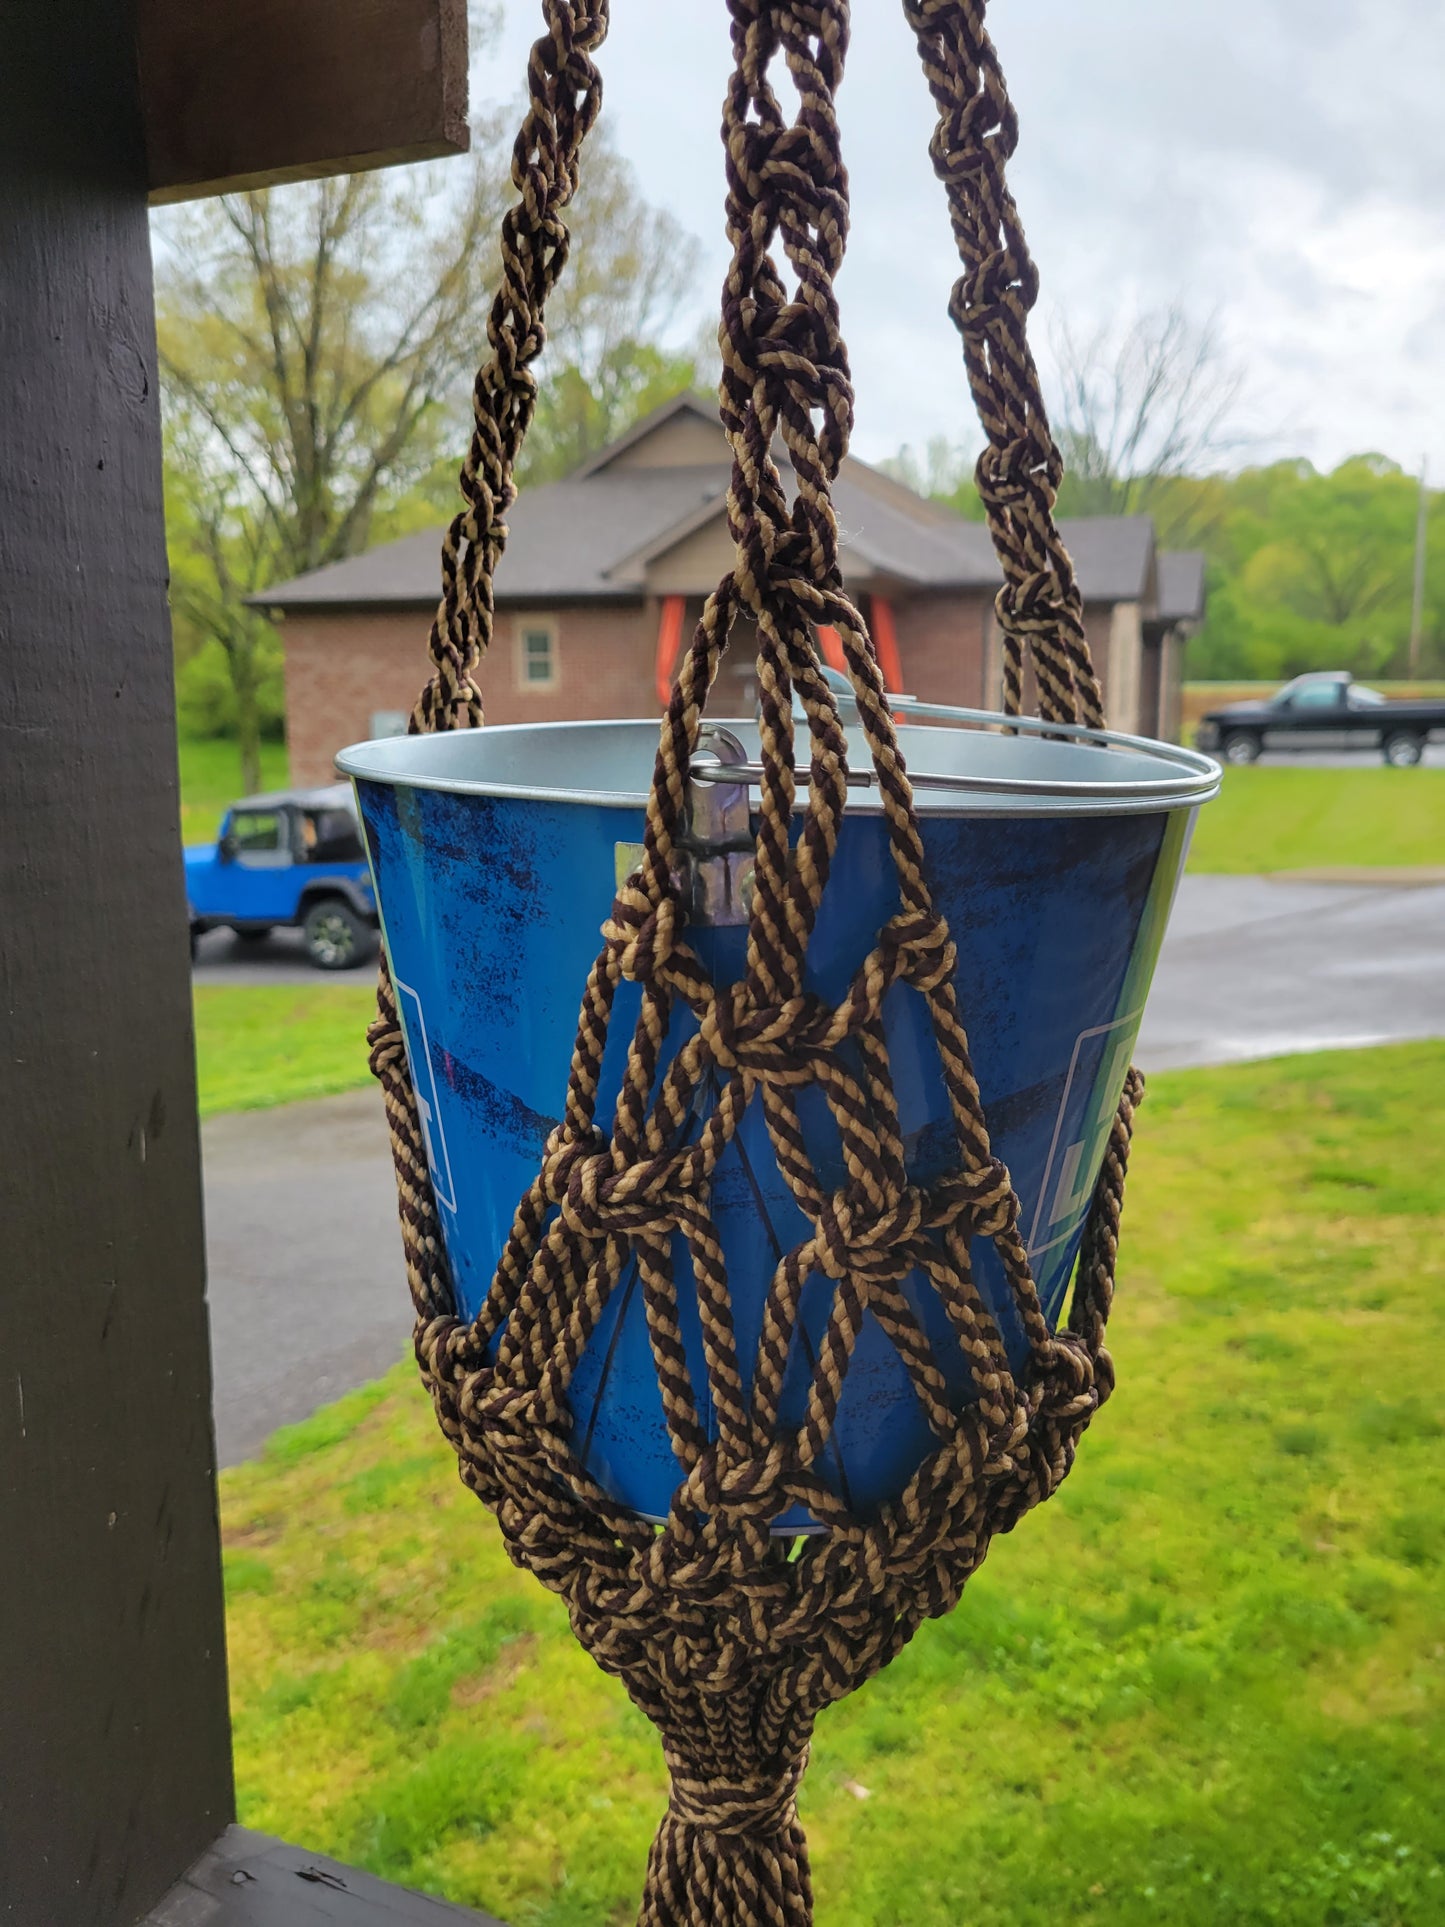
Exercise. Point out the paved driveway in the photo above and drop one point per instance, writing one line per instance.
(1257, 967)
(223, 958)
(307, 1292)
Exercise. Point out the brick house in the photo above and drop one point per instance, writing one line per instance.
(606, 572)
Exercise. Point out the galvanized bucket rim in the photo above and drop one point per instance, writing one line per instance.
(1066, 766)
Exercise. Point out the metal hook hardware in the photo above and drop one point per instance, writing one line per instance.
(716, 846)
(713, 867)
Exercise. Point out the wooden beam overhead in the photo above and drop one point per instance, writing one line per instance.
(246, 93)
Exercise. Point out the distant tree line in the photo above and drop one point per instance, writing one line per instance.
(1306, 569)
(1311, 570)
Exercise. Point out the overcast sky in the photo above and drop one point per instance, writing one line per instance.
(1278, 162)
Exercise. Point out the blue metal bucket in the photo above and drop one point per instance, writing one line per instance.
(496, 855)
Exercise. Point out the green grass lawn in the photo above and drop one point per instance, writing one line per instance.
(1300, 819)
(1205, 1686)
(211, 782)
(271, 1044)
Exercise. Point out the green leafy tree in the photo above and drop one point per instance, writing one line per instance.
(1342, 543)
(1315, 571)
(318, 345)
(631, 273)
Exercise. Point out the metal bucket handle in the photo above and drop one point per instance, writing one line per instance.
(1205, 772)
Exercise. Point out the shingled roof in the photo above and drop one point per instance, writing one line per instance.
(1181, 586)
(591, 537)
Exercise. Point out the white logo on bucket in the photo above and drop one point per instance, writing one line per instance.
(1068, 1180)
(424, 1085)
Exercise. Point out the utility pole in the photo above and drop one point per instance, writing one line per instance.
(1417, 617)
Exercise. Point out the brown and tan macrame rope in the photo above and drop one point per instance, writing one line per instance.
(1020, 469)
(730, 1640)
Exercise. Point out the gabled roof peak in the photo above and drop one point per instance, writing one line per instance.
(597, 536)
(688, 403)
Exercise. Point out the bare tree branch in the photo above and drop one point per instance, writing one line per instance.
(1140, 404)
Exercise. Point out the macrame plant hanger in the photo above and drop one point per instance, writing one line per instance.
(730, 1639)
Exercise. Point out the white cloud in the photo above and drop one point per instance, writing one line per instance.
(1278, 162)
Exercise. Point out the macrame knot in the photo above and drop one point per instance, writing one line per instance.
(984, 118)
(786, 352)
(1066, 1377)
(601, 1203)
(921, 951)
(462, 1347)
(961, 144)
(581, 1206)
(984, 1197)
(1010, 476)
(565, 1153)
(978, 296)
(387, 1050)
(788, 150)
(1033, 607)
(441, 1345)
(509, 1412)
(773, 1043)
(854, 1241)
(594, 1199)
(753, 1808)
(640, 934)
(751, 1487)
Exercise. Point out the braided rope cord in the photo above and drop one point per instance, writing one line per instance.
(730, 1639)
(1040, 609)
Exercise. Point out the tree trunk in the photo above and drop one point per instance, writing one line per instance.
(242, 658)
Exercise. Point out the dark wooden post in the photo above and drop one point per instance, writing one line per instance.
(115, 1773)
(114, 1754)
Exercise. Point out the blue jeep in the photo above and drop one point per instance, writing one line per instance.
(294, 857)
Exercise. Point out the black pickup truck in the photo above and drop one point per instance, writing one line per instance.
(1323, 712)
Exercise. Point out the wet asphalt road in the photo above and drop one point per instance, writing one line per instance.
(223, 958)
(1260, 967)
(307, 1293)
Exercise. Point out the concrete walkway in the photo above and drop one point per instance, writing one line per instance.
(307, 1292)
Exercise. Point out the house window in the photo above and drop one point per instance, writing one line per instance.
(537, 655)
